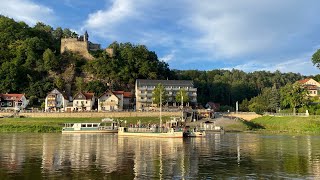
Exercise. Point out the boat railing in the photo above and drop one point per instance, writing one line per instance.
(153, 130)
(107, 128)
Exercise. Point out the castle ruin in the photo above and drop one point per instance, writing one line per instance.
(81, 45)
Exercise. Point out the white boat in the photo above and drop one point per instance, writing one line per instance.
(89, 128)
(150, 132)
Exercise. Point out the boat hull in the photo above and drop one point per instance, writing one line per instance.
(88, 131)
(170, 134)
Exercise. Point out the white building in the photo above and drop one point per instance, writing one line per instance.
(56, 101)
(13, 101)
(83, 101)
(145, 87)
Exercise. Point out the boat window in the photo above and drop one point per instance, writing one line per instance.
(95, 125)
(89, 125)
(83, 125)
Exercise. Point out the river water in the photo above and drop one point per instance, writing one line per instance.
(107, 156)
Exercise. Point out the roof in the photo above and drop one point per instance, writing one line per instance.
(148, 82)
(88, 95)
(304, 80)
(15, 97)
(124, 93)
(110, 92)
(56, 91)
(127, 95)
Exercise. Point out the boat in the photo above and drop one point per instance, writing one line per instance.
(151, 132)
(194, 133)
(90, 128)
(188, 132)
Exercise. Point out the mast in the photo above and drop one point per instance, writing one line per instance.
(160, 109)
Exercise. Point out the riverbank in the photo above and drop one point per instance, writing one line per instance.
(49, 125)
(290, 124)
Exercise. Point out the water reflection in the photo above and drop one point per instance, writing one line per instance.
(102, 156)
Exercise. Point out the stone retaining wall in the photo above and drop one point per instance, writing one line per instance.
(93, 114)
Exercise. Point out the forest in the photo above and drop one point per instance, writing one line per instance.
(31, 63)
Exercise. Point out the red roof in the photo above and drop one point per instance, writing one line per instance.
(15, 97)
(304, 80)
(125, 94)
(88, 95)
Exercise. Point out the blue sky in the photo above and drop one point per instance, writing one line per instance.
(249, 35)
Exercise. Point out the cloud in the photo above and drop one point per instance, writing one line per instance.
(302, 64)
(236, 28)
(214, 32)
(168, 57)
(27, 11)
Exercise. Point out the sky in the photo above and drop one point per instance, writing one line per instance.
(249, 35)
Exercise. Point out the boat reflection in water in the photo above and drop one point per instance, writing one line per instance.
(109, 156)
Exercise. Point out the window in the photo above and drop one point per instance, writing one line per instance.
(86, 102)
(89, 125)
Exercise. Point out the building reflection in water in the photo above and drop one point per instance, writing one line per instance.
(160, 158)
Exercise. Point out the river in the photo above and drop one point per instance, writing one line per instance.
(107, 156)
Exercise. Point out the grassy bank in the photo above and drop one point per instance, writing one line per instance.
(46, 125)
(291, 124)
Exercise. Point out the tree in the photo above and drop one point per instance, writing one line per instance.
(159, 92)
(274, 100)
(293, 95)
(182, 94)
(49, 60)
(316, 58)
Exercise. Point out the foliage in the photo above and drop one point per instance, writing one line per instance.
(316, 58)
(159, 95)
(293, 96)
(182, 94)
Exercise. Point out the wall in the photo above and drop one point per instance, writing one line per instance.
(72, 44)
(94, 114)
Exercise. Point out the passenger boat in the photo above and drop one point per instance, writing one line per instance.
(89, 128)
(151, 132)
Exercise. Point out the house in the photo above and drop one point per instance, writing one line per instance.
(214, 106)
(311, 85)
(145, 87)
(127, 100)
(111, 101)
(13, 101)
(83, 101)
(56, 101)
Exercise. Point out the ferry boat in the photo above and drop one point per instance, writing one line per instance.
(89, 128)
(150, 132)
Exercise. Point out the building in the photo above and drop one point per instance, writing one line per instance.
(83, 101)
(144, 89)
(114, 101)
(311, 85)
(13, 101)
(56, 101)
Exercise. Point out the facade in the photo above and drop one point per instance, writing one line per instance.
(56, 101)
(144, 89)
(311, 85)
(13, 101)
(110, 101)
(83, 101)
